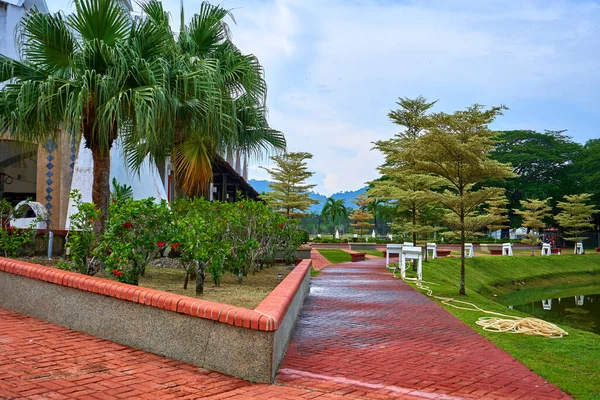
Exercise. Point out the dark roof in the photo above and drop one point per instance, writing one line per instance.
(222, 166)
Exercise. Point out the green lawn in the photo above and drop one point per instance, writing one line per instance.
(376, 253)
(573, 362)
(335, 256)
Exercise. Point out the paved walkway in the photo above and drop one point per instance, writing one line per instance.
(39, 360)
(318, 261)
(368, 335)
(362, 334)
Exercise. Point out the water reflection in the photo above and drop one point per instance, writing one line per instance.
(581, 311)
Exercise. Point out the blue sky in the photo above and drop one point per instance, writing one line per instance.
(335, 68)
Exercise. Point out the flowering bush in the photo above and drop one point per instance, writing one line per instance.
(12, 239)
(129, 243)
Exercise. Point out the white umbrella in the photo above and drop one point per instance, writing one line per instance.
(373, 234)
(337, 234)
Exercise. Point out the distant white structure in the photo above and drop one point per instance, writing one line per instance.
(546, 249)
(432, 247)
(469, 253)
(507, 249)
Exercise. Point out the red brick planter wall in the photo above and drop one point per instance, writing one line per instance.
(224, 338)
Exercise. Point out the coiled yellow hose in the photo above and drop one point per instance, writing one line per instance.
(500, 323)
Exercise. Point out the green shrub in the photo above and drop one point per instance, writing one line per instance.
(81, 237)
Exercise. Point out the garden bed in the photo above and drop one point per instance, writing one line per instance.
(248, 294)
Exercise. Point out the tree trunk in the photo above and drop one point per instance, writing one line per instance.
(200, 279)
(101, 184)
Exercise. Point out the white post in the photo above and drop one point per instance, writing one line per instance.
(547, 304)
(469, 250)
(546, 249)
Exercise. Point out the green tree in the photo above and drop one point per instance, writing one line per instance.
(533, 214)
(332, 210)
(361, 217)
(456, 148)
(496, 208)
(289, 193)
(218, 103)
(403, 186)
(575, 216)
(98, 72)
(586, 168)
(543, 163)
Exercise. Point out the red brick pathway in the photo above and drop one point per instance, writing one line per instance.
(368, 335)
(39, 360)
(362, 335)
(318, 260)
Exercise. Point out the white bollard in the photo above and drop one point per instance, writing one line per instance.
(432, 247)
(469, 253)
(547, 304)
(507, 249)
(393, 249)
(411, 253)
(546, 249)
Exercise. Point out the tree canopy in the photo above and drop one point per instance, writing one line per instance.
(290, 192)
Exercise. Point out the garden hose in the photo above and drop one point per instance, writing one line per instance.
(501, 322)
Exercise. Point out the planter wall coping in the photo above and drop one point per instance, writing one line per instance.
(266, 317)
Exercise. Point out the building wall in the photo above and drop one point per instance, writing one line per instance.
(9, 18)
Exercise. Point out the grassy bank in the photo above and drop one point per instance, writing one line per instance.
(573, 362)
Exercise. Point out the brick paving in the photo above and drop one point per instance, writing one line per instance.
(39, 360)
(362, 334)
(318, 260)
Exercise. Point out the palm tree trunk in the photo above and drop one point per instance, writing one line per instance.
(101, 184)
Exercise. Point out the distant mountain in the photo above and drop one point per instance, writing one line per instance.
(263, 186)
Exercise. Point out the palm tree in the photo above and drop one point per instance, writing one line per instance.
(333, 209)
(220, 109)
(98, 73)
(373, 207)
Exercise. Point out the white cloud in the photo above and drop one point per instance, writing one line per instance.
(335, 68)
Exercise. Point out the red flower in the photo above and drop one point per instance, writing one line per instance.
(91, 220)
(280, 226)
(116, 272)
(160, 244)
(175, 245)
(127, 224)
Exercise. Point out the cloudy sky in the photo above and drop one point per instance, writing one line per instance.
(336, 67)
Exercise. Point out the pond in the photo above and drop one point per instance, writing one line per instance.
(576, 305)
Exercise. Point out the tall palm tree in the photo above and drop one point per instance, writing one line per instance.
(332, 210)
(220, 110)
(98, 73)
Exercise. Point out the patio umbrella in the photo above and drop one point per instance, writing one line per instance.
(373, 234)
(337, 234)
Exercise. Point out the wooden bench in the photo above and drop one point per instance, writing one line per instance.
(356, 255)
(443, 253)
(496, 252)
